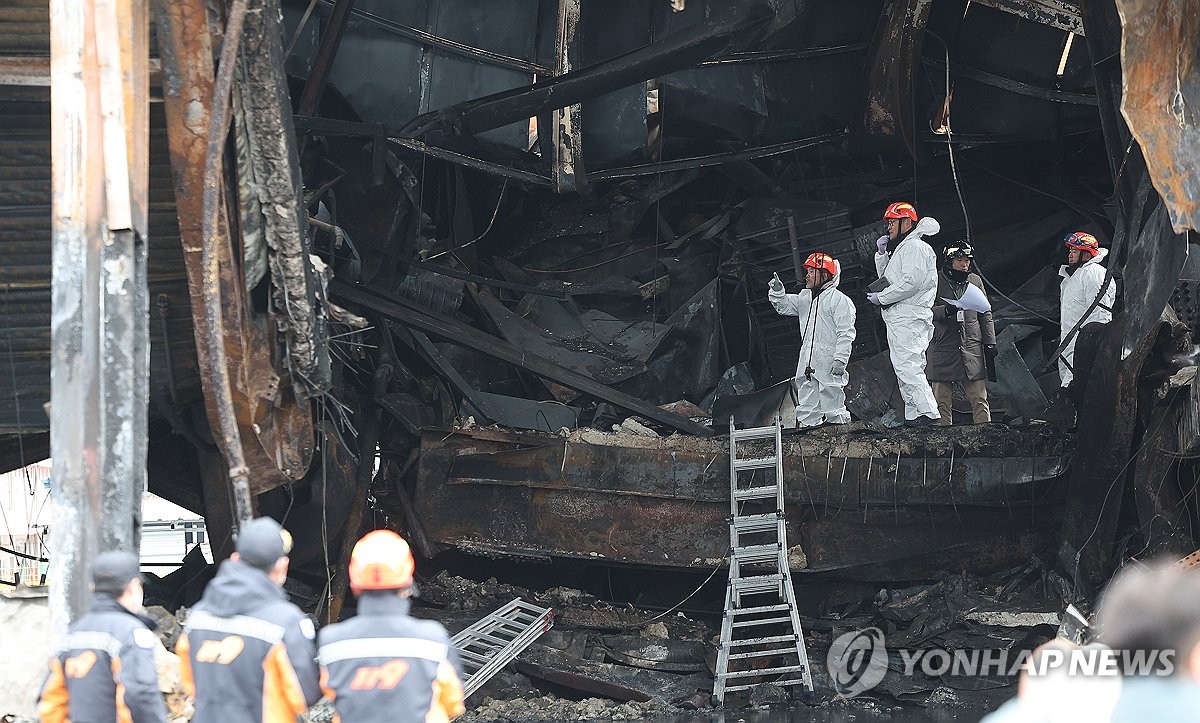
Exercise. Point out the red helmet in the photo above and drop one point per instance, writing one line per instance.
(901, 209)
(1084, 242)
(823, 262)
(381, 560)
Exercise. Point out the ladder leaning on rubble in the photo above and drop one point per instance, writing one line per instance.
(497, 639)
(761, 620)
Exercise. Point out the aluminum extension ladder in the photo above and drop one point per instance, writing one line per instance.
(497, 639)
(760, 620)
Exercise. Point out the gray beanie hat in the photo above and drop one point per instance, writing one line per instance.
(112, 571)
(261, 543)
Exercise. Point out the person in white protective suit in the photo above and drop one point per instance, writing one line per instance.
(1082, 279)
(909, 265)
(826, 318)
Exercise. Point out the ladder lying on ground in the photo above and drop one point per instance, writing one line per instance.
(497, 639)
(761, 620)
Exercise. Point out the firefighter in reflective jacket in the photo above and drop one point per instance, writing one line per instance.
(246, 653)
(383, 664)
(104, 670)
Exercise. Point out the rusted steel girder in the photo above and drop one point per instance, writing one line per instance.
(738, 24)
(890, 507)
(331, 38)
(277, 430)
(886, 108)
(1161, 97)
(100, 347)
(1059, 14)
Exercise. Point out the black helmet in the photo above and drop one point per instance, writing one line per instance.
(958, 250)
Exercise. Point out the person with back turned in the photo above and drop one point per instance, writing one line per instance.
(246, 653)
(383, 665)
(104, 671)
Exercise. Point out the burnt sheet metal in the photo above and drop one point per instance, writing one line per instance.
(733, 25)
(1017, 383)
(1160, 96)
(593, 362)
(1153, 262)
(1108, 418)
(854, 501)
(672, 656)
(512, 412)
(618, 682)
(264, 114)
(872, 391)
(277, 431)
(754, 409)
(415, 317)
(888, 86)
(434, 47)
(1059, 14)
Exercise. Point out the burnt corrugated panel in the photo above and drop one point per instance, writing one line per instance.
(25, 27)
(25, 246)
(390, 78)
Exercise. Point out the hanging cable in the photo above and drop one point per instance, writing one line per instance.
(958, 189)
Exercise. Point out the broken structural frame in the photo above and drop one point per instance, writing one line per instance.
(415, 316)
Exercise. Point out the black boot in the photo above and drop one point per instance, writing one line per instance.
(921, 421)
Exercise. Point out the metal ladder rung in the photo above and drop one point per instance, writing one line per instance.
(499, 637)
(762, 641)
(740, 465)
(760, 609)
(764, 671)
(470, 656)
(743, 435)
(767, 551)
(751, 554)
(761, 621)
(765, 522)
(756, 493)
(763, 653)
(753, 582)
(780, 683)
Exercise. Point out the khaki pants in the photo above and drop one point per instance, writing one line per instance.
(976, 393)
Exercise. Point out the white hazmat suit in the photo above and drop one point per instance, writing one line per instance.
(1078, 291)
(907, 302)
(827, 332)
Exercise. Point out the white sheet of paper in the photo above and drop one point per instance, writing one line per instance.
(972, 299)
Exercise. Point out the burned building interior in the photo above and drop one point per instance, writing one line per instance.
(494, 275)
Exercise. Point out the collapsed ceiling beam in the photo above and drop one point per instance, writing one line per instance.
(450, 46)
(419, 317)
(677, 51)
(1055, 13)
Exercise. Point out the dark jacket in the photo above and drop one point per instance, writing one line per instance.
(383, 665)
(104, 671)
(247, 653)
(955, 353)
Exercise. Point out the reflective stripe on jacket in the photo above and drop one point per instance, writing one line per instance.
(246, 653)
(385, 666)
(104, 670)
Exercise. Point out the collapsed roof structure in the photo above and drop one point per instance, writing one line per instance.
(444, 247)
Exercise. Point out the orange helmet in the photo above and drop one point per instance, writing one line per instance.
(381, 560)
(821, 261)
(1084, 242)
(901, 209)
